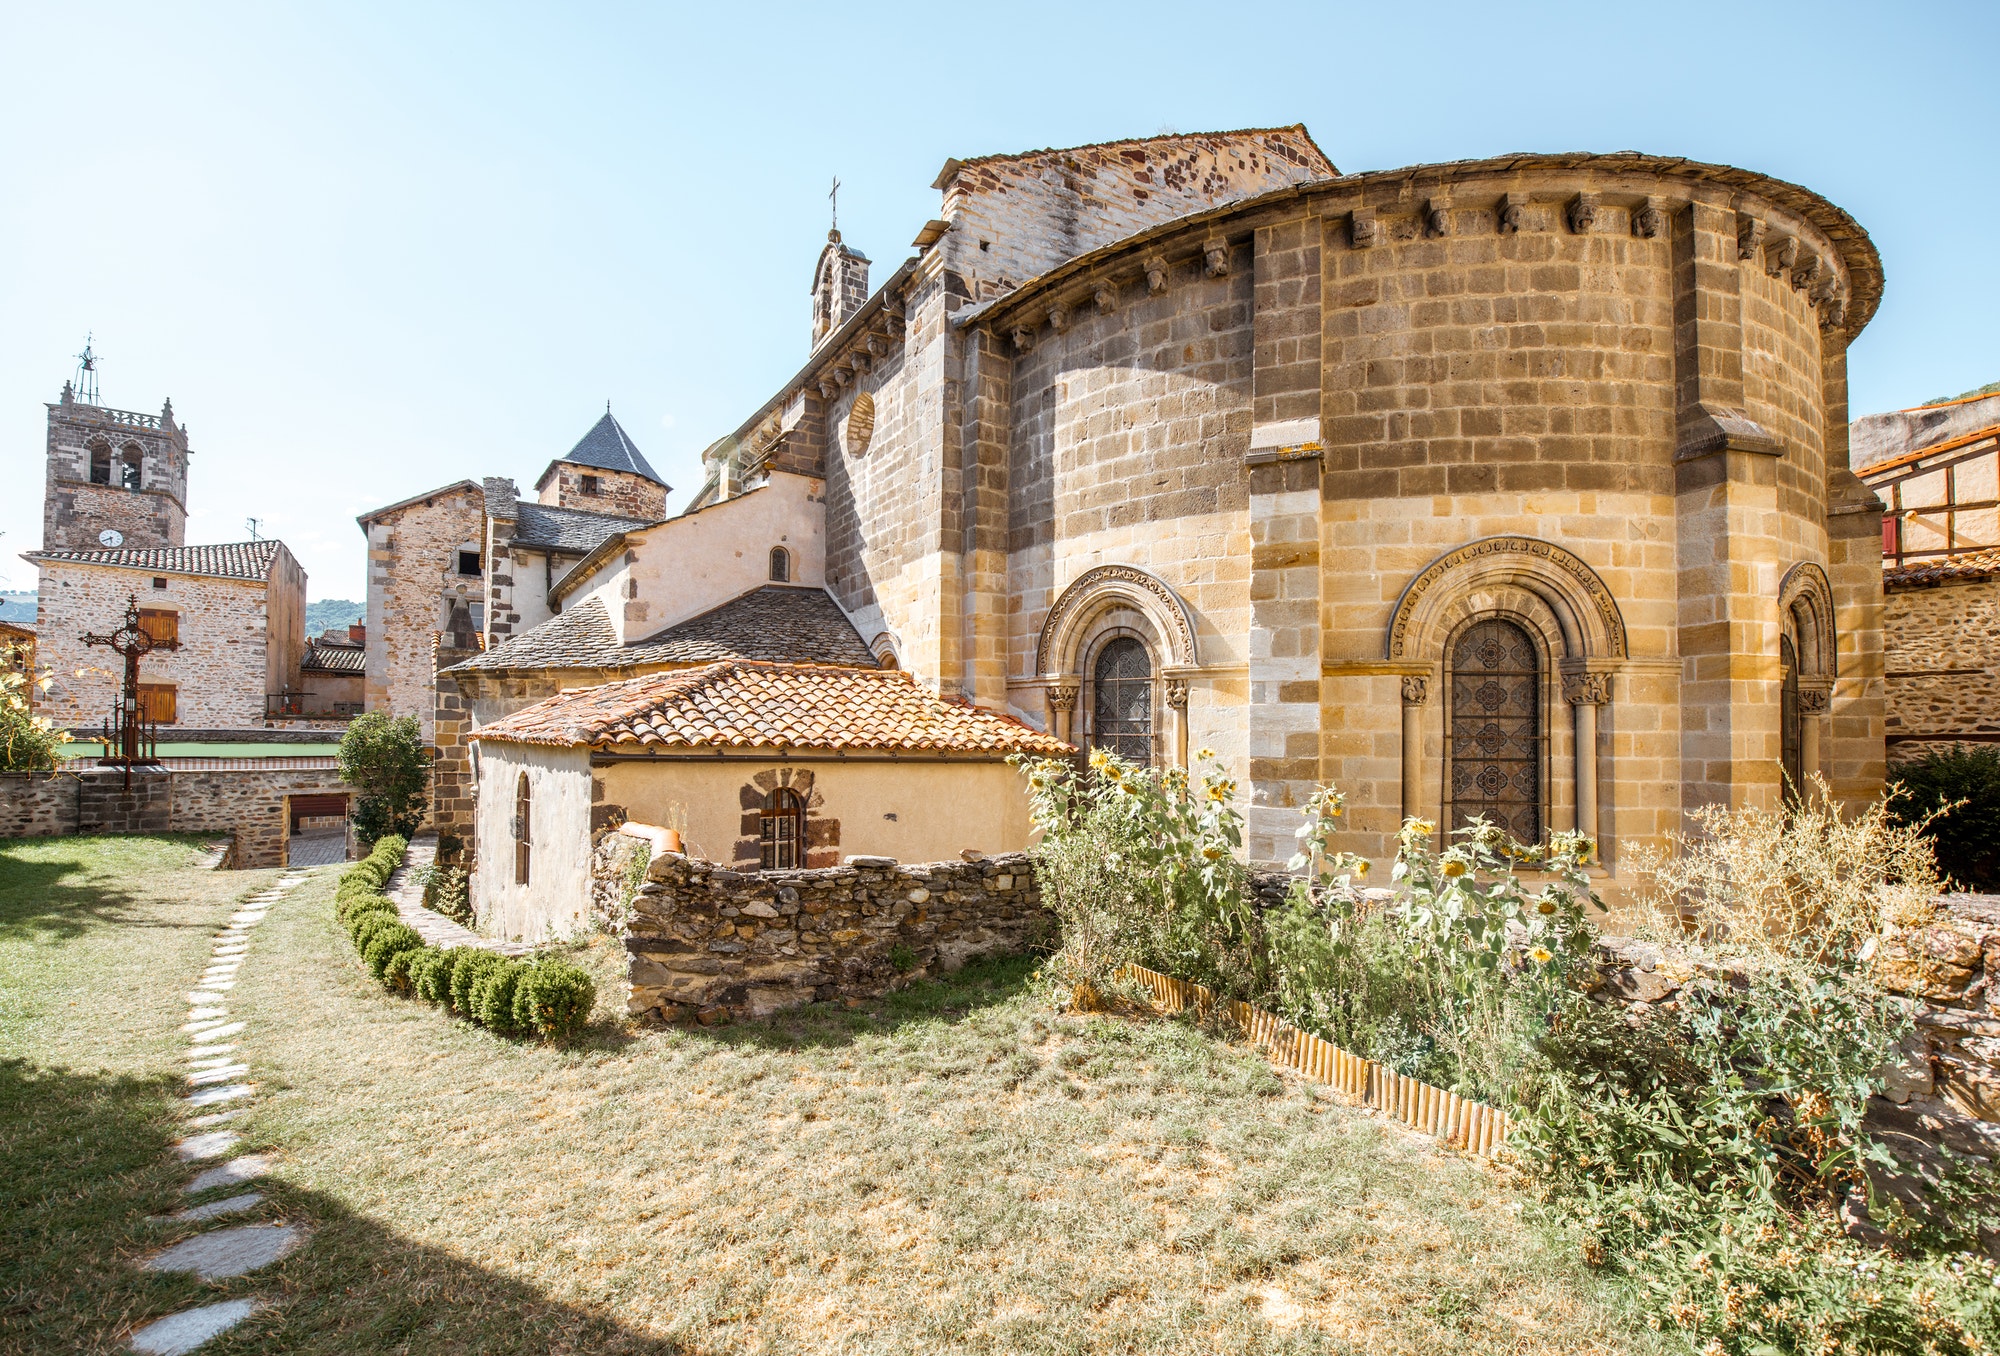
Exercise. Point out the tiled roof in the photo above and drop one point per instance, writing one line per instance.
(774, 623)
(235, 560)
(770, 706)
(22, 628)
(609, 448)
(326, 657)
(571, 531)
(1971, 565)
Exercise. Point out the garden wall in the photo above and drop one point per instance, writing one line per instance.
(249, 804)
(708, 942)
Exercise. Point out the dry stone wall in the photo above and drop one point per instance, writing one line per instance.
(250, 805)
(711, 943)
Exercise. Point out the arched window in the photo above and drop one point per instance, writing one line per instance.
(128, 468)
(1789, 741)
(782, 845)
(1495, 736)
(1122, 701)
(100, 464)
(523, 836)
(781, 565)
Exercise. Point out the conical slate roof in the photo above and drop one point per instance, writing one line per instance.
(608, 448)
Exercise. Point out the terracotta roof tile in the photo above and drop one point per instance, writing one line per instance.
(1969, 565)
(233, 560)
(770, 706)
(326, 657)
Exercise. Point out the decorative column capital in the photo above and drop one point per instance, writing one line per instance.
(1416, 689)
(1586, 689)
(1814, 701)
(1062, 696)
(1177, 693)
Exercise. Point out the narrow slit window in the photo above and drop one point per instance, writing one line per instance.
(523, 830)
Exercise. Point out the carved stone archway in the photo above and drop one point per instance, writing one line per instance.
(1071, 626)
(1805, 610)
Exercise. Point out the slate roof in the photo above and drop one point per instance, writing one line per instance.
(609, 448)
(773, 623)
(1970, 565)
(565, 530)
(770, 706)
(326, 657)
(234, 560)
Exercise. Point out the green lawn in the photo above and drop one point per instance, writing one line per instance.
(953, 1169)
(184, 749)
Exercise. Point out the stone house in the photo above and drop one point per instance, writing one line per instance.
(1503, 487)
(1937, 467)
(333, 673)
(467, 565)
(114, 530)
(760, 766)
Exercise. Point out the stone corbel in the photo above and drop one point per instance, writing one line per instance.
(860, 360)
(878, 345)
(1058, 316)
(1581, 214)
(1106, 297)
(1156, 273)
(1362, 228)
(896, 324)
(826, 388)
(1511, 212)
(1649, 219)
(1024, 339)
(1437, 216)
(1780, 253)
(1215, 257)
(1749, 236)
(842, 376)
(1807, 273)
(1712, 428)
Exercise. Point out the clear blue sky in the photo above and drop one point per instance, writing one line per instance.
(370, 249)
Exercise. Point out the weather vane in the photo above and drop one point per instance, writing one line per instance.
(86, 372)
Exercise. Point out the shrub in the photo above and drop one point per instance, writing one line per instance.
(554, 998)
(28, 742)
(1953, 795)
(363, 929)
(493, 995)
(397, 973)
(465, 977)
(384, 759)
(431, 978)
(385, 942)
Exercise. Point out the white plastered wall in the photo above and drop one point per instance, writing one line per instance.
(556, 900)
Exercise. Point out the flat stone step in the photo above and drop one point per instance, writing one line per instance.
(214, 1144)
(235, 1172)
(228, 1252)
(218, 1031)
(221, 1075)
(179, 1333)
(232, 1205)
(210, 1096)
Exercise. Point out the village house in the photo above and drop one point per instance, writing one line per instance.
(333, 673)
(1937, 467)
(764, 766)
(467, 565)
(114, 534)
(1514, 487)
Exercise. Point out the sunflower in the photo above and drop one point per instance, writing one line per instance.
(1361, 868)
(1541, 955)
(1545, 907)
(1454, 869)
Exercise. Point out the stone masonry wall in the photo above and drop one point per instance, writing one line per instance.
(219, 672)
(618, 492)
(413, 582)
(1943, 663)
(711, 943)
(251, 805)
(74, 510)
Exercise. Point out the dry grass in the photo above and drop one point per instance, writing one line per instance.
(953, 1169)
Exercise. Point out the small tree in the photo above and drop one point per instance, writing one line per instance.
(28, 742)
(384, 759)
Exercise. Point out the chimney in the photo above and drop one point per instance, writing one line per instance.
(358, 633)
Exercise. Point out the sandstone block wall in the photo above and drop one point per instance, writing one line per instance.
(413, 585)
(712, 943)
(1943, 664)
(221, 670)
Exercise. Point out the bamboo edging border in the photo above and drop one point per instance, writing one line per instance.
(1458, 1121)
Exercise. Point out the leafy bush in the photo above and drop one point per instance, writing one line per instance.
(430, 974)
(28, 742)
(385, 942)
(1954, 796)
(465, 977)
(554, 998)
(446, 891)
(493, 995)
(384, 759)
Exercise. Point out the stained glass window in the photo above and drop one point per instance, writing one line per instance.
(1496, 729)
(1122, 704)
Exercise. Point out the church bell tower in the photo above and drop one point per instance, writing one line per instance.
(116, 479)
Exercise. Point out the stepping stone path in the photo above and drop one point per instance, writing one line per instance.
(215, 1076)
(436, 930)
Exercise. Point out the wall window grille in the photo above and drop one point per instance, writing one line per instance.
(1122, 701)
(523, 835)
(781, 565)
(162, 624)
(1789, 732)
(1495, 748)
(158, 703)
(782, 831)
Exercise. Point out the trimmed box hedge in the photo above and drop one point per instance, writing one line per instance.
(547, 997)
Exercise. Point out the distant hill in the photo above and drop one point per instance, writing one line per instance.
(17, 607)
(328, 612)
(1990, 388)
